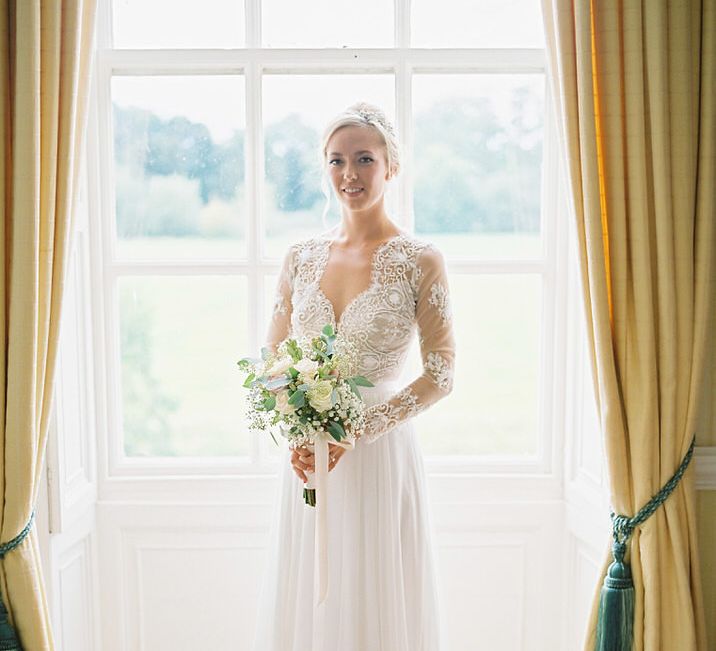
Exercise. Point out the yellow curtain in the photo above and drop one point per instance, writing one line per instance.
(634, 88)
(44, 75)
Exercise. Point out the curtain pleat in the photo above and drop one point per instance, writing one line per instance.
(634, 89)
(44, 68)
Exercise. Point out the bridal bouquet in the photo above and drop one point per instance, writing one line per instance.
(309, 389)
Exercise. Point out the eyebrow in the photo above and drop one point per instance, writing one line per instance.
(363, 151)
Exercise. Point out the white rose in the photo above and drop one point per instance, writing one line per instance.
(307, 368)
(281, 365)
(319, 395)
(282, 405)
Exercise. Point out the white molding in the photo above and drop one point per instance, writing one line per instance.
(705, 460)
(323, 60)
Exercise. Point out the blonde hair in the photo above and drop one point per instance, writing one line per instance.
(360, 114)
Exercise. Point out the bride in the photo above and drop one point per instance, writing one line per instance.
(376, 284)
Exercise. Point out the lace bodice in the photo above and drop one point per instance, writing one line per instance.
(408, 289)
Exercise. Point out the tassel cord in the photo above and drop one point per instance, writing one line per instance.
(623, 525)
(9, 546)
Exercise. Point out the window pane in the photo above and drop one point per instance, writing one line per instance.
(179, 166)
(494, 406)
(171, 24)
(296, 110)
(327, 23)
(181, 337)
(270, 282)
(466, 23)
(478, 163)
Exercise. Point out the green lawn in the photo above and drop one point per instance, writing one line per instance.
(188, 333)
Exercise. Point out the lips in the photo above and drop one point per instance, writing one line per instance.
(353, 194)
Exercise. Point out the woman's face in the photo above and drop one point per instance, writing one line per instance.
(355, 157)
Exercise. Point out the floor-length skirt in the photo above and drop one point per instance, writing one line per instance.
(382, 581)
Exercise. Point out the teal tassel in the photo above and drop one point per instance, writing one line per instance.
(8, 639)
(616, 605)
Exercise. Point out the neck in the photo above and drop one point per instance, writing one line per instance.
(364, 227)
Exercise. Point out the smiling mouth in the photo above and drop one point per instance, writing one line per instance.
(354, 192)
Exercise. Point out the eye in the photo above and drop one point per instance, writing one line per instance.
(366, 158)
(330, 162)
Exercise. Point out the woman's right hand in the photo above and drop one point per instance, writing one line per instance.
(299, 463)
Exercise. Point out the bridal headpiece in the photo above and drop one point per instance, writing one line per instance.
(372, 116)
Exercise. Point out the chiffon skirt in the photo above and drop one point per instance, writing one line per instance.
(382, 583)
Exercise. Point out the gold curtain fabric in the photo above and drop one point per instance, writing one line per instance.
(44, 76)
(634, 87)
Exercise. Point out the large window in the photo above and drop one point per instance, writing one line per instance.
(211, 115)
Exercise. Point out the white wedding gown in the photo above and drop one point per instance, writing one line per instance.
(382, 584)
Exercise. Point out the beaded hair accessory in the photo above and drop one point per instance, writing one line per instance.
(373, 116)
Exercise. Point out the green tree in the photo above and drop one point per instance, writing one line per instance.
(146, 407)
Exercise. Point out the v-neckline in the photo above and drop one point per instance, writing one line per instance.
(322, 270)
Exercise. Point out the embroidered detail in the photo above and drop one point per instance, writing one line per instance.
(380, 319)
(440, 371)
(439, 298)
(279, 306)
(384, 416)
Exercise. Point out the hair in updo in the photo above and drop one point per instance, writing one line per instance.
(360, 114)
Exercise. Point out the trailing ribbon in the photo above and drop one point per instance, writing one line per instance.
(8, 637)
(320, 450)
(615, 621)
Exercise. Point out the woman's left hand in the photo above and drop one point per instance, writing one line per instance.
(335, 452)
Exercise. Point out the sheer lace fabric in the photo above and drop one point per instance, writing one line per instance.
(407, 289)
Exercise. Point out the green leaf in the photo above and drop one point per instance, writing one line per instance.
(327, 330)
(334, 397)
(278, 383)
(298, 398)
(362, 381)
(248, 382)
(270, 403)
(293, 372)
(265, 353)
(246, 363)
(336, 431)
(353, 387)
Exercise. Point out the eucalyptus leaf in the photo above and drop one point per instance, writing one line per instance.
(336, 431)
(362, 381)
(327, 330)
(270, 403)
(297, 399)
(278, 383)
(353, 387)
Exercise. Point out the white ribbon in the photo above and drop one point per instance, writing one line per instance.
(319, 481)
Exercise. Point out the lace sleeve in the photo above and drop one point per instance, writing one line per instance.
(437, 347)
(280, 323)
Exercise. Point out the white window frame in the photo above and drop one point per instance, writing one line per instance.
(540, 475)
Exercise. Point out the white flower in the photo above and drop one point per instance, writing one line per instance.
(319, 395)
(307, 368)
(281, 365)
(282, 405)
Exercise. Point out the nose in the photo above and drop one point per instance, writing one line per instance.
(350, 174)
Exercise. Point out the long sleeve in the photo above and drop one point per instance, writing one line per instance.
(280, 323)
(437, 347)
